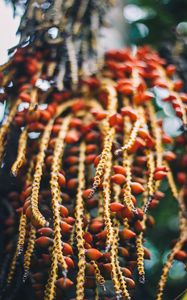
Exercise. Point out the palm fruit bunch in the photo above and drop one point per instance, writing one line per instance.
(91, 154)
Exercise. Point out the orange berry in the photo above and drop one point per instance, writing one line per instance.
(127, 234)
(131, 113)
(150, 221)
(143, 133)
(72, 136)
(49, 160)
(56, 129)
(141, 160)
(61, 180)
(52, 143)
(73, 170)
(146, 96)
(63, 210)
(91, 202)
(38, 276)
(90, 158)
(101, 235)
(71, 160)
(96, 226)
(123, 251)
(138, 226)
(44, 242)
(116, 119)
(24, 87)
(46, 231)
(69, 262)
(147, 254)
(119, 170)
(35, 126)
(37, 287)
(88, 237)
(74, 150)
(33, 116)
(178, 85)
(89, 283)
(96, 160)
(78, 105)
(93, 254)
(140, 213)
(126, 272)
(116, 206)
(159, 175)
(25, 97)
(52, 108)
(183, 97)
(57, 97)
(159, 195)
(127, 213)
(178, 112)
(67, 249)
(169, 156)
(181, 177)
(170, 70)
(19, 121)
(118, 179)
(137, 188)
(45, 115)
(72, 184)
(69, 220)
(90, 269)
(140, 180)
(65, 227)
(154, 203)
(86, 193)
(99, 115)
(126, 89)
(161, 168)
(181, 255)
(75, 123)
(28, 212)
(130, 283)
(64, 283)
(91, 148)
(87, 246)
(166, 139)
(107, 268)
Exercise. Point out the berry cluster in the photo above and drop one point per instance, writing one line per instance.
(89, 168)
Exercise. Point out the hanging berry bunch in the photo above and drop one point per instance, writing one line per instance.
(91, 156)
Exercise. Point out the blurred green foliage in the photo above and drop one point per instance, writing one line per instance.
(158, 21)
